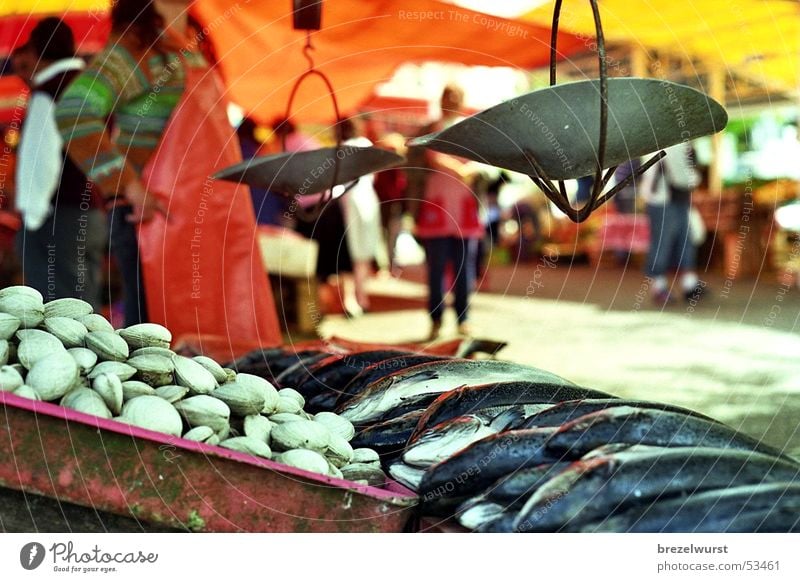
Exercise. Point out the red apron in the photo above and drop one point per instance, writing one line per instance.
(202, 267)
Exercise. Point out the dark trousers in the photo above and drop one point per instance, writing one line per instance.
(64, 257)
(125, 249)
(670, 242)
(461, 255)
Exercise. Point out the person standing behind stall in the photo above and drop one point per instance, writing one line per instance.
(61, 245)
(200, 271)
(448, 222)
(667, 190)
(361, 210)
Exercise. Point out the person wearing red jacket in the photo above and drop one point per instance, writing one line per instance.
(448, 222)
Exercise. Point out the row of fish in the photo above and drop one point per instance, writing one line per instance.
(510, 448)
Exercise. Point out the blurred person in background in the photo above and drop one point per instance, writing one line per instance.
(361, 209)
(269, 208)
(170, 132)
(23, 62)
(61, 244)
(390, 185)
(667, 190)
(448, 221)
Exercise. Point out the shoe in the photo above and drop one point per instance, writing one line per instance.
(436, 328)
(696, 293)
(663, 298)
(464, 329)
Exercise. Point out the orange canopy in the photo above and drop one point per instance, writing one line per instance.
(360, 44)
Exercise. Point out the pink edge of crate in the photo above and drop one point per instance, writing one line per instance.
(393, 491)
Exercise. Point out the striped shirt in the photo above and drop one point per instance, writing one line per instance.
(131, 91)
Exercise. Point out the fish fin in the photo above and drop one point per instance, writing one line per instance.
(512, 416)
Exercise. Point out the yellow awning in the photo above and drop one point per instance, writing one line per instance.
(756, 38)
(51, 6)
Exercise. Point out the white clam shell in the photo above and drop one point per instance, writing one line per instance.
(67, 307)
(87, 401)
(153, 413)
(9, 325)
(71, 332)
(153, 351)
(294, 394)
(288, 405)
(193, 375)
(304, 459)
(171, 392)
(10, 379)
(27, 392)
(17, 290)
(213, 367)
(365, 455)
(266, 389)
(134, 388)
(200, 434)
(258, 427)
(248, 445)
(37, 347)
(339, 452)
(121, 370)
(27, 308)
(144, 335)
(107, 345)
(53, 375)
(243, 400)
(84, 357)
(109, 387)
(152, 364)
(203, 410)
(95, 322)
(303, 434)
(336, 424)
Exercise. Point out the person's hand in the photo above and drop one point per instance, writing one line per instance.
(145, 204)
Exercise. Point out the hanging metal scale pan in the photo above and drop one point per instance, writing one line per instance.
(560, 126)
(312, 171)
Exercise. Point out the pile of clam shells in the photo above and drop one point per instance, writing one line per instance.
(62, 352)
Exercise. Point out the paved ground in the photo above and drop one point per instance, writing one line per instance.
(734, 355)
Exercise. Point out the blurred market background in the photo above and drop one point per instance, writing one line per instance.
(568, 298)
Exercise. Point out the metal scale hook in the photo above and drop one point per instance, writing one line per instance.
(563, 132)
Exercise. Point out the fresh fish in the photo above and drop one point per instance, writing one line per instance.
(269, 363)
(715, 511)
(416, 403)
(295, 373)
(474, 515)
(649, 427)
(468, 399)
(381, 370)
(565, 412)
(388, 438)
(593, 489)
(437, 377)
(336, 372)
(470, 471)
(322, 401)
(472, 346)
(507, 496)
(443, 440)
(504, 523)
(406, 475)
(515, 488)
